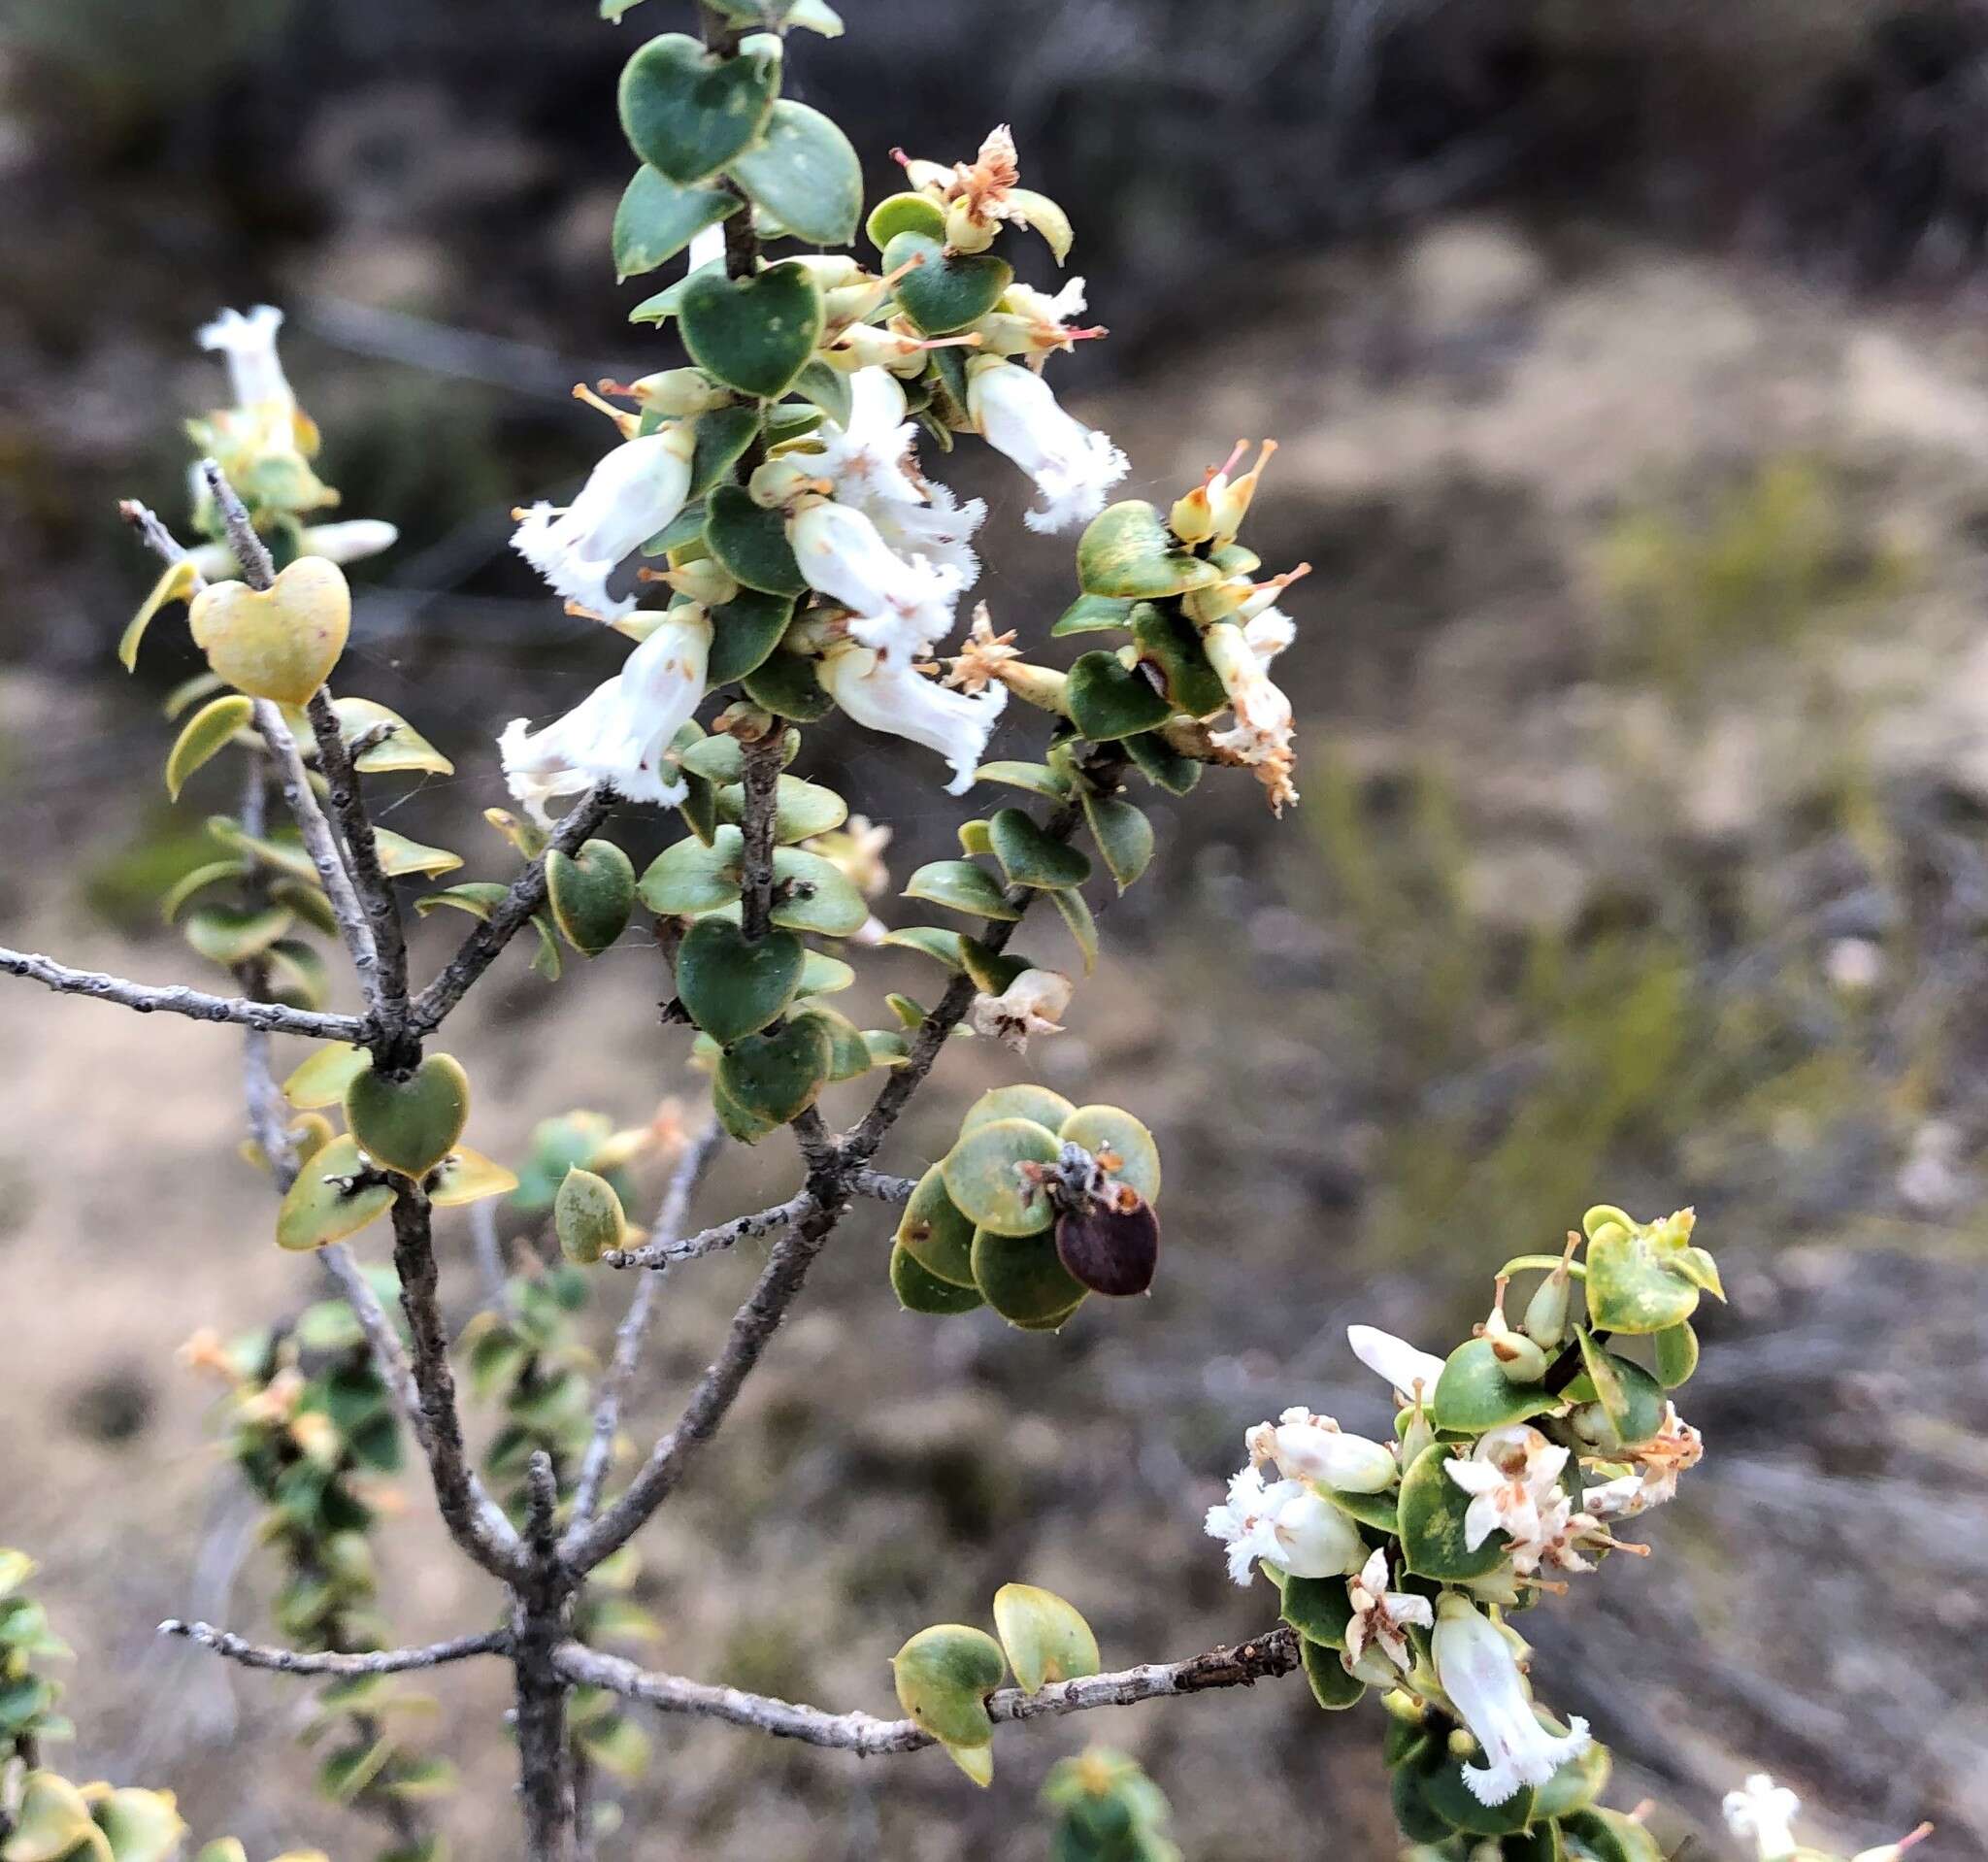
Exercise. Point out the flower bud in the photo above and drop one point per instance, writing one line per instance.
(966, 231)
(679, 393)
(780, 484)
(1310, 1447)
(1316, 1540)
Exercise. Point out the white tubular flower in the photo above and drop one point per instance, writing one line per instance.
(632, 493)
(1410, 1372)
(353, 540)
(1766, 1812)
(900, 608)
(1013, 410)
(1033, 322)
(1247, 1520)
(1262, 733)
(889, 694)
(869, 461)
(1476, 1668)
(1314, 1448)
(249, 343)
(1376, 1637)
(1030, 1005)
(939, 531)
(1509, 1474)
(620, 732)
(1316, 1538)
(1269, 633)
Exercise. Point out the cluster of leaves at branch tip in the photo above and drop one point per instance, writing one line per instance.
(945, 1674)
(1105, 1809)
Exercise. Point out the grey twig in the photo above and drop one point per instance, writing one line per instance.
(661, 1250)
(882, 1187)
(154, 533)
(633, 1331)
(757, 826)
(481, 947)
(258, 567)
(290, 1661)
(177, 1000)
(1264, 1657)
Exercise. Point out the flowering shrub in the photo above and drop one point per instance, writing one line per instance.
(763, 532)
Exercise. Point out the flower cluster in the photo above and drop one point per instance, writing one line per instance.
(1510, 1461)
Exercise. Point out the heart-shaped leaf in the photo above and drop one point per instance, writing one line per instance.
(815, 894)
(919, 1291)
(1431, 1509)
(1021, 1278)
(589, 1218)
(320, 1207)
(961, 886)
(688, 111)
(591, 893)
(1124, 834)
(935, 1233)
(986, 1176)
(1113, 1252)
(1161, 764)
(944, 1676)
(751, 544)
(1028, 856)
(803, 173)
(1319, 1609)
(1024, 1100)
(1107, 700)
(689, 877)
(778, 1074)
(734, 986)
(1169, 642)
(906, 212)
(1636, 1284)
(1473, 1394)
(321, 1078)
(410, 1125)
(1046, 1637)
(753, 334)
(942, 295)
(801, 810)
(206, 734)
(657, 219)
(788, 687)
(280, 643)
(1128, 550)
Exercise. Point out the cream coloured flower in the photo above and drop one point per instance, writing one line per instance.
(869, 460)
(1314, 1448)
(633, 492)
(1766, 1812)
(1410, 1372)
(1509, 1474)
(1029, 1006)
(620, 732)
(1014, 412)
(1261, 736)
(891, 694)
(900, 608)
(941, 530)
(255, 373)
(1283, 1523)
(1380, 1622)
(1477, 1670)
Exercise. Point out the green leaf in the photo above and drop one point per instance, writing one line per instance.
(689, 877)
(944, 1676)
(1046, 1637)
(1124, 834)
(788, 687)
(410, 1124)
(1079, 921)
(801, 810)
(477, 897)
(1169, 642)
(400, 748)
(232, 934)
(1094, 614)
(751, 544)
(657, 219)
(1024, 1100)
(1110, 1128)
(928, 939)
(316, 1209)
(804, 174)
(905, 212)
(467, 1176)
(1023, 1278)
(1332, 1687)
(1038, 778)
(828, 389)
(721, 435)
(1161, 764)
(214, 873)
(1319, 1609)
(400, 857)
(753, 334)
(734, 986)
(588, 1217)
(176, 582)
(983, 1175)
(1128, 550)
(321, 1079)
(744, 631)
(1028, 856)
(942, 295)
(848, 1057)
(1431, 1511)
(961, 886)
(1473, 1394)
(815, 894)
(1677, 1347)
(776, 1075)
(666, 303)
(1107, 700)
(1639, 1278)
(919, 1291)
(992, 971)
(591, 893)
(825, 975)
(1632, 1400)
(688, 111)
(936, 1233)
(207, 733)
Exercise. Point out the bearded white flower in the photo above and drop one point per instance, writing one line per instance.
(1261, 737)
(1014, 410)
(1283, 1523)
(1476, 1668)
(255, 373)
(1377, 1648)
(1509, 1474)
(633, 492)
(868, 459)
(941, 530)
(900, 608)
(620, 732)
(1409, 1372)
(1766, 1812)
(1030, 1005)
(1033, 322)
(891, 694)
(1314, 1448)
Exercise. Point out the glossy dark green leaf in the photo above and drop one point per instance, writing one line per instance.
(1021, 1278)
(657, 219)
(1431, 1511)
(733, 985)
(1030, 857)
(1161, 764)
(722, 435)
(752, 543)
(961, 886)
(919, 1291)
(688, 111)
(1169, 641)
(1107, 700)
(803, 171)
(778, 1073)
(787, 685)
(1124, 834)
(1094, 614)
(1473, 1394)
(753, 334)
(744, 631)
(410, 1124)
(591, 893)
